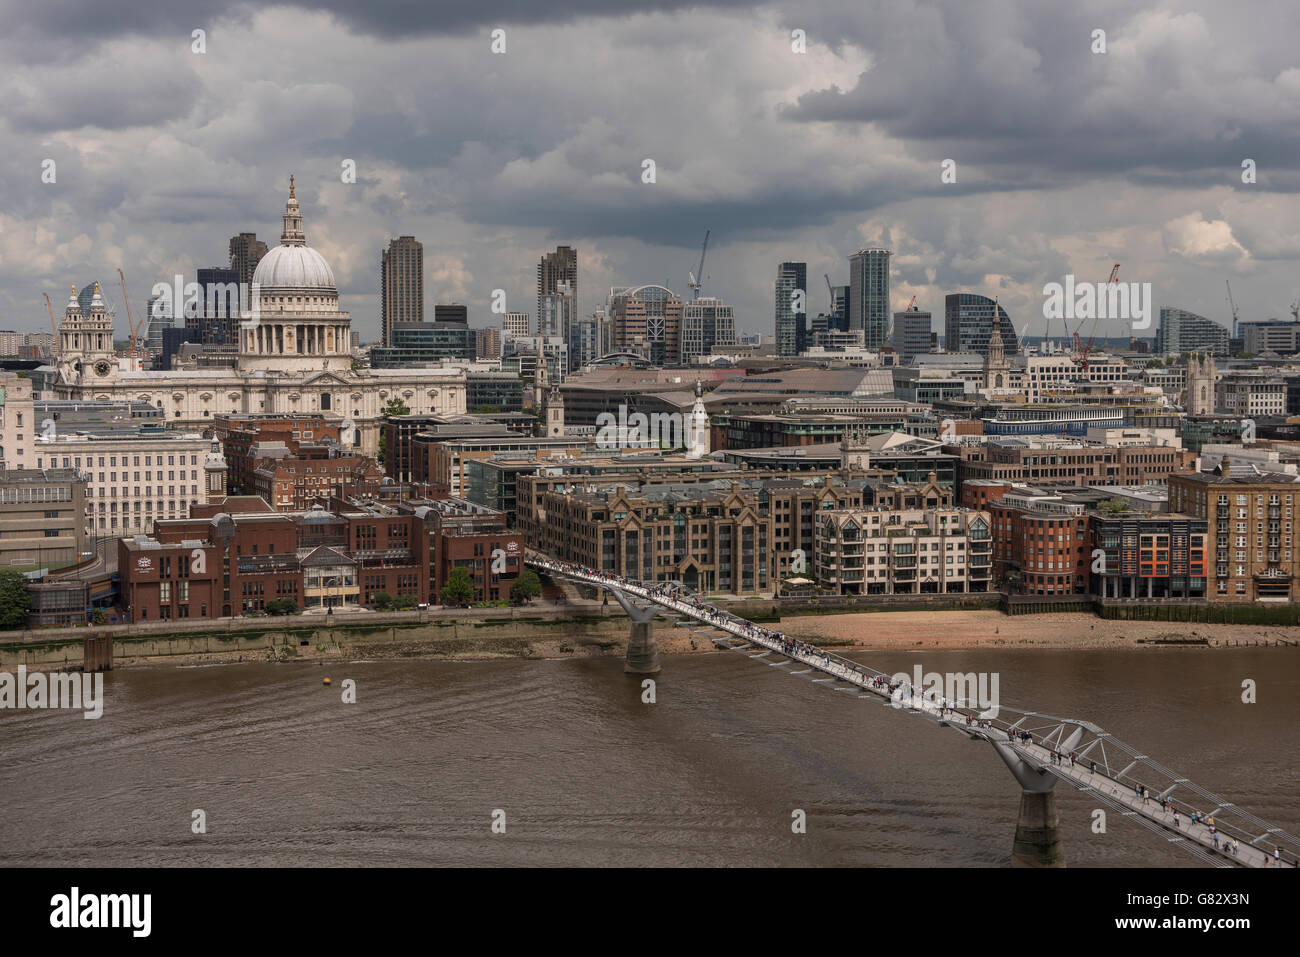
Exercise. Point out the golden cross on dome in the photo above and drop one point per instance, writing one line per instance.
(291, 186)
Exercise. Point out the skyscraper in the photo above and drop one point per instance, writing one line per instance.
(246, 251)
(791, 310)
(451, 312)
(911, 333)
(869, 295)
(514, 324)
(1182, 331)
(401, 285)
(557, 311)
(646, 320)
(840, 308)
(555, 268)
(706, 323)
(968, 322)
(218, 316)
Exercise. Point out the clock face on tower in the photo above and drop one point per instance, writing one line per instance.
(102, 368)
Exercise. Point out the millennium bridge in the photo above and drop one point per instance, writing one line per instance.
(1039, 749)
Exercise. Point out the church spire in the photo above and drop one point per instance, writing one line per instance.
(293, 234)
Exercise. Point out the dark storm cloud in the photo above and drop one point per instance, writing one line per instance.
(1018, 87)
(1066, 159)
(100, 19)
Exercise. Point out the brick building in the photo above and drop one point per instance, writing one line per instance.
(1041, 544)
(299, 475)
(737, 535)
(235, 562)
(1060, 462)
(238, 435)
(1251, 554)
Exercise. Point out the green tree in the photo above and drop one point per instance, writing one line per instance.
(395, 406)
(99, 618)
(281, 606)
(485, 410)
(459, 589)
(14, 599)
(403, 602)
(382, 600)
(526, 587)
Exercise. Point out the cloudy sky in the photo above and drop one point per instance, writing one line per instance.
(1066, 160)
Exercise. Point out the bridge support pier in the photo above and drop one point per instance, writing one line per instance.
(642, 650)
(1038, 841)
(1038, 832)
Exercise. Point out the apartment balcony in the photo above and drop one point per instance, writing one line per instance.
(905, 563)
(904, 574)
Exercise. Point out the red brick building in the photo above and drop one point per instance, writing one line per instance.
(1041, 544)
(220, 563)
(239, 433)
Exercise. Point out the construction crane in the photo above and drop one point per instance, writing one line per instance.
(911, 306)
(53, 327)
(1081, 349)
(134, 326)
(1236, 318)
(1295, 311)
(697, 278)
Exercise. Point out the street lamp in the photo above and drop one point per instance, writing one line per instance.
(329, 608)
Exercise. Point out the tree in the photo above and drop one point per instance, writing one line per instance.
(382, 600)
(459, 589)
(14, 599)
(395, 406)
(526, 587)
(403, 602)
(281, 606)
(485, 410)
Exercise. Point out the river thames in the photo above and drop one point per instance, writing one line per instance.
(587, 774)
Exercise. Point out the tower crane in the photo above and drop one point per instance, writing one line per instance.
(697, 278)
(1236, 317)
(53, 328)
(134, 326)
(1081, 349)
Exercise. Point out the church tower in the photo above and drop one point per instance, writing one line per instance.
(997, 368)
(697, 433)
(1198, 395)
(86, 342)
(554, 413)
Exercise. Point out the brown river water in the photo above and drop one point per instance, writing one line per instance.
(587, 774)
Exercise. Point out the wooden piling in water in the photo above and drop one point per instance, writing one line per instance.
(97, 653)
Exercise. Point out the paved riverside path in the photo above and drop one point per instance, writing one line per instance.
(1256, 839)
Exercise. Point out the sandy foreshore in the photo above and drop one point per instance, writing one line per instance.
(899, 630)
(992, 629)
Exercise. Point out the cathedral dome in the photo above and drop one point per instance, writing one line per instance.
(293, 264)
(294, 267)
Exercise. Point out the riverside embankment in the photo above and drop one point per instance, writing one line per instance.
(579, 628)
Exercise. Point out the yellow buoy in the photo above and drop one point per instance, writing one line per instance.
(326, 681)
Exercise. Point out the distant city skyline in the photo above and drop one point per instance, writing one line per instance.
(1066, 161)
